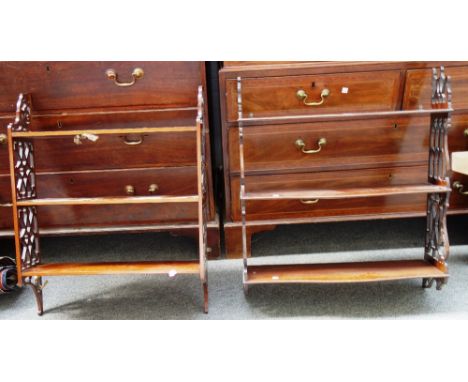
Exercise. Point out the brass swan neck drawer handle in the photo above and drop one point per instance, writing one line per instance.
(302, 95)
(130, 190)
(131, 141)
(153, 188)
(301, 146)
(3, 139)
(309, 201)
(79, 138)
(465, 132)
(113, 76)
(459, 187)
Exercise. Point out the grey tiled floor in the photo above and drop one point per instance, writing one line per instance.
(159, 297)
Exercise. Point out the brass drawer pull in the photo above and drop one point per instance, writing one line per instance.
(3, 139)
(153, 188)
(301, 146)
(465, 132)
(309, 201)
(130, 190)
(133, 142)
(302, 95)
(113, 76)
(459, 187)
(79, 138)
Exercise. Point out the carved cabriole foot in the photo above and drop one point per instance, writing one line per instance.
(440, 283)
(36, 285)
(427, 282)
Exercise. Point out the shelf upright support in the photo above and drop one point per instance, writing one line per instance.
(437, 241)
(23, 187)
(242, 181)
(202, 196)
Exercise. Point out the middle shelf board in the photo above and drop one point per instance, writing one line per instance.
(135, 130)
(360, 192)
(108, 200)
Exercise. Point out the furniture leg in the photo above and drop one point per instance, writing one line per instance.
(427, 283)
(36, 285)
(205, 297)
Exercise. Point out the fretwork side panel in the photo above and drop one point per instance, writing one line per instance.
(437, 241)
(24, 187)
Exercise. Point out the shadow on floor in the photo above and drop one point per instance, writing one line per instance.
(353, 236)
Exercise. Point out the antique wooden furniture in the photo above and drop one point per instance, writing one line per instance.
(110, 95)
(27, 203)
(436, 188)
(385, 149)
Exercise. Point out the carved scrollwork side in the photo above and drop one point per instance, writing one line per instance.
(25, 185)
(437, 241)
(441, 88)
(29, 237)
(23, 113)
(25, 176)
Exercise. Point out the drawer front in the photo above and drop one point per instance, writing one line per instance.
(108, 216)
(457, 139)
(457, 199)
(168, 181)
(70, 85)
(418, 89)
(366, 143)
(285, 209)
(124, 119)
(111, 152)
(348, 92)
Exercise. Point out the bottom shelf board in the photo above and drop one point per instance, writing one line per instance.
(112, 268)
(342, 272)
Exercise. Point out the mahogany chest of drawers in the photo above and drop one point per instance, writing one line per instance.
(95, 95)
(338, 154)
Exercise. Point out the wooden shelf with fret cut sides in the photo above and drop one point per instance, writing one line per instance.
(360, 192)
(114, 268)
(342, 272)
(22, 164)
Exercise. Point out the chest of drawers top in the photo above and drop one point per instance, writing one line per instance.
(56, 86)
(302, 88)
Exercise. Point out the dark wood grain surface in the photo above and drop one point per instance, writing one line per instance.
(349, 144)
(272, 96)
(61, 85)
